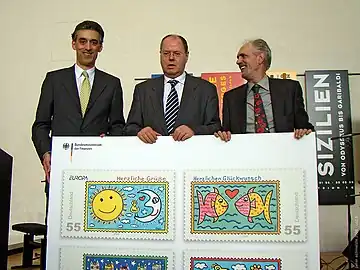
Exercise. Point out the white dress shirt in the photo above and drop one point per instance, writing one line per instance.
(179, 87)
(79, 77)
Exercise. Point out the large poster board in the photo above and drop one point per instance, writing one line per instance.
(117, 203)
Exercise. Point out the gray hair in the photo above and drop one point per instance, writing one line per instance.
(263, 47)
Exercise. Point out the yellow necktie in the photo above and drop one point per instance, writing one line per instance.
(85, 92)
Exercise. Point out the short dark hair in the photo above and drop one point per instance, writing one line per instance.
(183, 40)
(89, 25)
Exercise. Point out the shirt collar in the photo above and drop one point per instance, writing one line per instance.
(180, 79)
(79, 71)
(264, 84)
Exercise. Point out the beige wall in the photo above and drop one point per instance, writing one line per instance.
(308, 34)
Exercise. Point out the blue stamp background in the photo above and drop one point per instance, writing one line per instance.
(91, 262)
(144, 206)
(235, 264)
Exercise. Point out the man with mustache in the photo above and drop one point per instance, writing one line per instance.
(80, 100)
(175, 104)
(263, 104)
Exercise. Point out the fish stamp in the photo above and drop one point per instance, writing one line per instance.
(215, 260)
(111, 259)
(264, 201)
(118, 204)
(245, 205)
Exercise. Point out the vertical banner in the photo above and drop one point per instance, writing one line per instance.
(328, 106)
(224, 81)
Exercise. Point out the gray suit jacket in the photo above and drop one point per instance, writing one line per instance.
(199, 107)
(287, 105)
(59, 110)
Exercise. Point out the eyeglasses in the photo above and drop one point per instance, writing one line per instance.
(175, 54)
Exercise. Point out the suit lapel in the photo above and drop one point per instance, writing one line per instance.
(98, 87)
(156, 96)
(278, 102)
(188, 95)
(241, 105)
(69, 83)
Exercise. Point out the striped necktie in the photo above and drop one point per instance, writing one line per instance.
(172, 107)
(84, 92)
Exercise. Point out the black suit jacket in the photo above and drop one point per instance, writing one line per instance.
(199, 107)
(59, 110)
(287, 105)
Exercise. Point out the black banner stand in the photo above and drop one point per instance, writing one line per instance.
(6, 164)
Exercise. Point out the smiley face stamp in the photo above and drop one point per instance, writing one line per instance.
(106, 205)
(127, 206)
(245, 205)
(118, 204)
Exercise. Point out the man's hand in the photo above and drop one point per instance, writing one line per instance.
(299, 133)
(182, 133)
(148, 135)
(47, 165)
(223, 135)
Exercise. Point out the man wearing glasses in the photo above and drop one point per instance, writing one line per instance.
(175, 104)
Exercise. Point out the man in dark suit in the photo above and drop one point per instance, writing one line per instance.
(263, 104)
(80, 100)
(176, 103)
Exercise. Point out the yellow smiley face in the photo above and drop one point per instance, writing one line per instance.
(107, 205)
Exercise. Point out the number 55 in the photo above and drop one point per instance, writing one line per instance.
(70, 226)
(295, 229)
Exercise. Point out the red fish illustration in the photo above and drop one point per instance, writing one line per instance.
(214, 205)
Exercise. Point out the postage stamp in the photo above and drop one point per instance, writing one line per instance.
(245, 205)
(118, 204)
(111, 259)
(259, 260)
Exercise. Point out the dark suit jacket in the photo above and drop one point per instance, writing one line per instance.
(199, 107)
(287, 105)
(59, 110)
